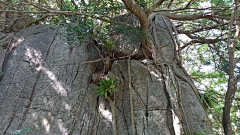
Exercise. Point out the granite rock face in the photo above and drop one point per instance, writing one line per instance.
(45, 90)
(44, 83)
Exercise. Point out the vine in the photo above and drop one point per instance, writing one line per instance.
(131, 99)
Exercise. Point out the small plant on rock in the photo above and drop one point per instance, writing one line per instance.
(108, 45)
(106, 86)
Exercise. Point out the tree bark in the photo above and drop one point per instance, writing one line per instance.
(226, 121)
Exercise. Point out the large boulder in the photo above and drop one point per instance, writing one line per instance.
(44, 83)
(46, 90)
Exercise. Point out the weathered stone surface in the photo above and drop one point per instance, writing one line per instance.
(46, 89)
(160, 29)
(125, 45)
(5, 39)
(44, 82)
(2, 55)
(149, 99)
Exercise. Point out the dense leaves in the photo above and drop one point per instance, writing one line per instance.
(106, 87)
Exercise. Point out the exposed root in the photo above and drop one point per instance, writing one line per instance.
(114, 122)
(131, 99)
(77, 113)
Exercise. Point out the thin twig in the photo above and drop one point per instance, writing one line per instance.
(88, 62)
(214, 117)
(157, 4)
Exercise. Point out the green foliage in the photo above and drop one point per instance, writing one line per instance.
(207, 66)
(143, 3)
(106, 86)
(210, 99)
(76, 33)
(200, 133)
(80, 27)
(68, 6)
(14, 1)
(88, 27)
(104, 7)
(194, 133)
(220, 2)
(133, 33)
(108, 45)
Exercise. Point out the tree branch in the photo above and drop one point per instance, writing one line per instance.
(170, 3)
(218, 52)
(157, 4)
(38, 20)
(21, 11)
(138, 11)
(237, 79)
(188, 4)
(188, 17)
(237, 60)
(45, 10)
(200, 39)
(73, 2)
(204, 28)
(223, 8)
(143, 18)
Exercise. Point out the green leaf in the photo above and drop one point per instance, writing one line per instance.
(106, 85)
(105, 94)
(202, 97)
